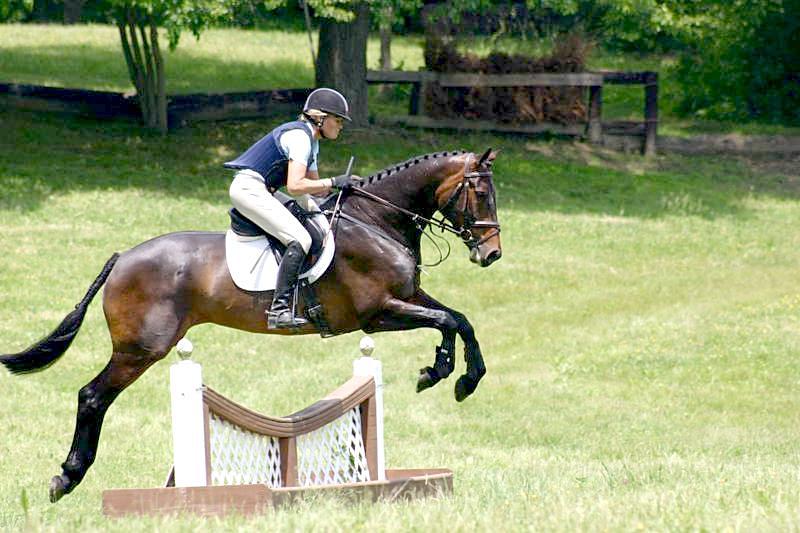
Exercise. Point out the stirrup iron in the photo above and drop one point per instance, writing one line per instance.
(292, 322)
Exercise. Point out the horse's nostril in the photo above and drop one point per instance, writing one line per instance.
(491, 257)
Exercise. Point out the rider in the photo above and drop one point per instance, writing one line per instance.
(287, 156)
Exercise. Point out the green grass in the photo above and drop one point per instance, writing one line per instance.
(641, 330)
(222, 60)
(641, 335)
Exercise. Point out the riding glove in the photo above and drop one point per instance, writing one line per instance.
(342, 182)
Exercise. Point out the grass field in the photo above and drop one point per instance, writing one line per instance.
(641, 334)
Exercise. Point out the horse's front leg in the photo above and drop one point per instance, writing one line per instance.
(468, 382)
(424, 311)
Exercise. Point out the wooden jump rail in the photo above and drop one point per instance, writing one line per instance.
(594, 81)
(228, 458)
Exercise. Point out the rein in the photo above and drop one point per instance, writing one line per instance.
(416, 218)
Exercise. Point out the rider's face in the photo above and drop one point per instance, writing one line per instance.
(332, 126)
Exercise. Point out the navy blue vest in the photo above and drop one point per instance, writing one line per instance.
(268, 158)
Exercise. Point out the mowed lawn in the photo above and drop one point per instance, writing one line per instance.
(641, 335)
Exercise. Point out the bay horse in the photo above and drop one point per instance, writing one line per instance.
(159, 289)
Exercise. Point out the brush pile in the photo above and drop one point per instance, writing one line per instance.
(519, 105)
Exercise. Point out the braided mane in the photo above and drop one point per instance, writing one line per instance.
(394, 169)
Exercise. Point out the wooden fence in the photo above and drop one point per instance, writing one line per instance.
(594, 129)
(181, 109)
(196, 107)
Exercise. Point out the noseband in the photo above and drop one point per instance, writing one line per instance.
(450, 210)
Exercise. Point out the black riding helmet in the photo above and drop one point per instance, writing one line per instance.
(328, 101)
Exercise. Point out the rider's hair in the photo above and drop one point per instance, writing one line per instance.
(312, 115)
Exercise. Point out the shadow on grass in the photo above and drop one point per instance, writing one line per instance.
(46, 154)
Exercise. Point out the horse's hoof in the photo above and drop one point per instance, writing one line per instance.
(427, 379)
(58, 488)
(464, 387)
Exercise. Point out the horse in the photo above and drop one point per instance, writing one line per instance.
(157, 290)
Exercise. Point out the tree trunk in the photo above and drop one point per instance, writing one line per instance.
(72, 11)
(386, 40)
(145, 65)
(386, 46)
(342, 60)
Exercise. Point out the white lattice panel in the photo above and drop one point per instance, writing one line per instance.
(334, 453)
(239, 457)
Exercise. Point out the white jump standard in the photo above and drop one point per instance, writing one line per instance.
(228, 458)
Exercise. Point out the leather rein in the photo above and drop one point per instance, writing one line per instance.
(454, 205)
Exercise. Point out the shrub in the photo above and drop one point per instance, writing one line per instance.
(746, 67)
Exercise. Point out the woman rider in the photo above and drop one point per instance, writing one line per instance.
(287, 156)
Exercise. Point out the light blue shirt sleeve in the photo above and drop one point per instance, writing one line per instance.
(297, 145)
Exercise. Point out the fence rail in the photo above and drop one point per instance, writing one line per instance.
(197, 107)
(594, 81)
(181, 109)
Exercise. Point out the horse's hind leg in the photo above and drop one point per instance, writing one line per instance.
(94, 399)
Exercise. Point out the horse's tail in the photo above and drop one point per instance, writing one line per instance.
(46, 351)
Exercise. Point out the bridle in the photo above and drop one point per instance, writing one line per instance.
(456, 204)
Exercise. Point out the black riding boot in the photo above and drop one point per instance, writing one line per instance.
(280, 315)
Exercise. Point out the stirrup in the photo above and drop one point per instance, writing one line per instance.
(284, 319)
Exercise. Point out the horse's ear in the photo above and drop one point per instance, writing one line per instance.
(484, 156)
(487, 157)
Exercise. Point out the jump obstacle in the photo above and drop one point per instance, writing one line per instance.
(228, 458)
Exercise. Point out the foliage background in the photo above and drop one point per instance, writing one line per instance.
(736, 59)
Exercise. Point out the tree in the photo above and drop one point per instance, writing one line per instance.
(44, 10)
(138, 32)
(342, 48)
(138, 22)
(72, 11)
(15, 10)
(743, 62)
(342, 59)
(385, 19)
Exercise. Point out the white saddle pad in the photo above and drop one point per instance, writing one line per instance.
(252, 263)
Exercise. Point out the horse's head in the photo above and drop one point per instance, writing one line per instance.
(467, 199)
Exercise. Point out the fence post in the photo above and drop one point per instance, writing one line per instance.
(595, 113)
(413, 103)
(650, 113)
(369, 367)
(189, 443)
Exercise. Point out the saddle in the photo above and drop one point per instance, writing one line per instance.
(253, 256)
(244, 227)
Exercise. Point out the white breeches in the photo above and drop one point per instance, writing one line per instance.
(250, 196)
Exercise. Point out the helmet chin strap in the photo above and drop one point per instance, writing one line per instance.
(322, 131)
(318, 124)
